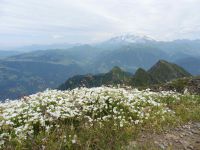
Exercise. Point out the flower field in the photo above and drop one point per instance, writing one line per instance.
(95, 118)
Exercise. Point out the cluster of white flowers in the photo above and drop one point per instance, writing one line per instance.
(45, 110)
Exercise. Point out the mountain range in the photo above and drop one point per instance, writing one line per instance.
(4, 53)
(161, 72)
(20, 78)
(49, 68)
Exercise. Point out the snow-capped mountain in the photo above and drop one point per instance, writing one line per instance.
(125, 39)
(130, 38)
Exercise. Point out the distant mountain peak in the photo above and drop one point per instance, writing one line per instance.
(142, 78)
(139, 70)
(131, 38)
(161, 72)
(166, 71)
(115, 76)
(162, 61)
(116, 69)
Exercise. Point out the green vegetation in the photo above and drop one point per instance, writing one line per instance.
(181, 85)
(114, 77)
(165, 71)
(161, 72)
(61, 64)
(103, 123)
(19, 78)
(142, 78)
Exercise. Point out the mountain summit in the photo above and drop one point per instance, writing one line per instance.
(161, 72)
(130, 38)
(115, 76)
(164, 71)
(125, 39)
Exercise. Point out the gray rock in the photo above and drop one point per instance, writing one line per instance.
(162, 146)
(195, 131)
(190, 147)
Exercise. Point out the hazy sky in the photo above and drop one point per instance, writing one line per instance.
(25, 22)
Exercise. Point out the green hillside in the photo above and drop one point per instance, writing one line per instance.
(161, 72)
(85, 59)
(113, 77)
(181, 85)
(142, 78)
(19, 78)
(164, 71)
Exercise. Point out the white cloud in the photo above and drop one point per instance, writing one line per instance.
(51, 21)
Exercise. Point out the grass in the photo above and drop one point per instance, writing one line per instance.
(76, 134)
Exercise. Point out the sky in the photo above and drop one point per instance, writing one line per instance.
(26, 22)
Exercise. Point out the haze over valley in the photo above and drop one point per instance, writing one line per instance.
(24, 73)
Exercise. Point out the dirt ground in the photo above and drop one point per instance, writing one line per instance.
(185, 137)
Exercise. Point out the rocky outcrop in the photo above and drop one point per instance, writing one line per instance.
(194, 85)
(184, 85)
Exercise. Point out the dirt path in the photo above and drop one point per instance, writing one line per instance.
(186, 137)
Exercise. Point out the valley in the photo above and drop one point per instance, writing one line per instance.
(40, 69)
(144, 89)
